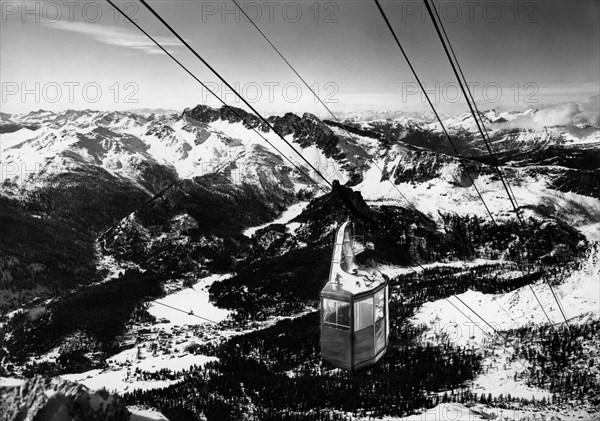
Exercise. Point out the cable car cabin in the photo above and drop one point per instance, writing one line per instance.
(354, 308)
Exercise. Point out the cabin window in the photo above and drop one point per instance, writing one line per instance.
(363, 313)
(336, 313)
(380, 321)
(379, 305)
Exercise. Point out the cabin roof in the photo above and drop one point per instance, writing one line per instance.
(346, 277)
(347, 289)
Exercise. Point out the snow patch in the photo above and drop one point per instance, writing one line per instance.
(289, 214)
(499, 379)
(145, 414)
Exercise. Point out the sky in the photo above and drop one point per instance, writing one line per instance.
(71, 54)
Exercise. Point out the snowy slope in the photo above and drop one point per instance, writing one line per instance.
(441, 194)
(165, 347)
(122, 378)
(579, 295)
(145, 414)
(194, 299)
(457, 319)
(292, 212)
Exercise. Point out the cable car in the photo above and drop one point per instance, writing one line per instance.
(354, 308)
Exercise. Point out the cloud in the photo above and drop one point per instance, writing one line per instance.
(113, 35)
(591, 109)
(585, 112)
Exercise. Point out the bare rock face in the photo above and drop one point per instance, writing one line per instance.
(55, 399)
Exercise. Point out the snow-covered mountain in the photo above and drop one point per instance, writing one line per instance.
(196, 142)
(151, 151)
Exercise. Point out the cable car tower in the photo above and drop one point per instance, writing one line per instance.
(354, 308)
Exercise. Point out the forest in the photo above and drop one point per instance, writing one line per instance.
(277, 374)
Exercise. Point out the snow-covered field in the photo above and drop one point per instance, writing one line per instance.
(579, 295)
(189, 306)
(479, 412)
(11, 382)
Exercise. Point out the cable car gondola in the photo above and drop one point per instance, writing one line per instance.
(354, 308)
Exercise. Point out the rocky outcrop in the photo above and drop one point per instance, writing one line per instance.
(308, 130)
(56, 399)
(421, 165)
(206, 114)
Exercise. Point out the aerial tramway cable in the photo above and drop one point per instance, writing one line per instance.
(287, 62)
(216, 73)
(163, 191)
(411, 205)
(262, 118)
(211, 91)
(318, 98)
(490, 149)
(475, 112)
(414, 72)
(444, 129)
(189, 313)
